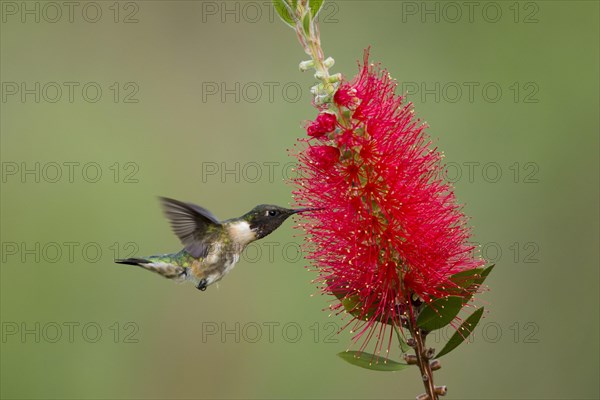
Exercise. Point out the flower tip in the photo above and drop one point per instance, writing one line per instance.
(324, 123)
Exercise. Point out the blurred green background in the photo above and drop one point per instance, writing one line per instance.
(199, 101)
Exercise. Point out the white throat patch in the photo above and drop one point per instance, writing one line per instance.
(241, 233)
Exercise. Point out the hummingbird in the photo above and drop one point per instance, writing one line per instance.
(211, 247)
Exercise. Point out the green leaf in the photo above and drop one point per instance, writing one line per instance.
(403, 345)
(466, 278)
(468, 281)
(315, 7)
(353, 306)
(370, 361)
(463, 332)
(484, 274)
(306, 23)
(340, 294)
(439, 313)
(282, 10)
(350, 303)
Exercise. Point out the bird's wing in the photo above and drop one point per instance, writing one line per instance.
(194, 226)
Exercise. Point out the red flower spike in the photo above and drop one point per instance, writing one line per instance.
(324, 157)
(345, 96)
(389, 226)
(325, 123)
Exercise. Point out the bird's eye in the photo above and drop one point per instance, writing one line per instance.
(272, 213)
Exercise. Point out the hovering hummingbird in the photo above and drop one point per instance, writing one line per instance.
(211, 248)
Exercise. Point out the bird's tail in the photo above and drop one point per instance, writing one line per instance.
(163, 266)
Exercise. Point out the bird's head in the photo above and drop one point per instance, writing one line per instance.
(265, 218)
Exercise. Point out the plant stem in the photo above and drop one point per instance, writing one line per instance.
(316, 52)
(311, 42)
(423, 360)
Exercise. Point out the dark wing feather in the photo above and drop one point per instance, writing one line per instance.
(194, 226)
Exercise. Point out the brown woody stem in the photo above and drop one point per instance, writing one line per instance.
(423, 356)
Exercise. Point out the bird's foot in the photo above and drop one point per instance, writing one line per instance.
(202, 285)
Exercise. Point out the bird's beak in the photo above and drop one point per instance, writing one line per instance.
(301, 210)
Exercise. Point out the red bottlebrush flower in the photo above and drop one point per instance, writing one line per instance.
(324, 157)
(345, 96)
(322, 125)
(389, 227)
